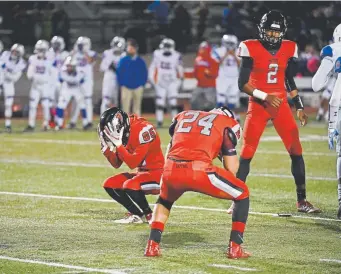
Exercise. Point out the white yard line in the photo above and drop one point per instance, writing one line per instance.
(331, 261)
(233, 267)
(82, 268)
(95, 165)
(174, 206)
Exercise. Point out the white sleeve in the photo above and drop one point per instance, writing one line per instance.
(321, 77)
(334, 102)
(180, 68)
(30, 71)
(104, 63)
(243, 51)
(151, 70)
(295, 52)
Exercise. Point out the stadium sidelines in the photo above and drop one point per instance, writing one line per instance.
(174, 206)
(95, 165)
(81, 268)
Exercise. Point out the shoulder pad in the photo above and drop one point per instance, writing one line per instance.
(243, 50)
(327, 51)
(235, 133)
(147, 134)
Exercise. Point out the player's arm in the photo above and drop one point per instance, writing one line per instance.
(180, 68)
(228, 151)
(104, 63)
(290, 85)
(321, 77)
(246, 66)
(334, 102)
(152, 71)
(91, 56)
(133, 160)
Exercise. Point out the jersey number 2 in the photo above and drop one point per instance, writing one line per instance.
(272, 73)
(206, 122)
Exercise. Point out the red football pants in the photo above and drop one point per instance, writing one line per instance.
(180, 176)
(283, 121)
(148, 181)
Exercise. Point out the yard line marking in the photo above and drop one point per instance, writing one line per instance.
(87, 269)
(95, 165)
(101, 200)
(330, 261)
(233, 267)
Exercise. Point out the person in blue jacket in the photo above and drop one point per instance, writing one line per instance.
(132, 75)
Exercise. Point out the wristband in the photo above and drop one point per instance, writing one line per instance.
(298, 102)
(259, 94)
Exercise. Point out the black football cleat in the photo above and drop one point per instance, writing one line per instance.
(87, 127)
(159, 124)
(29, 129)
(8, 129)
(71, 126)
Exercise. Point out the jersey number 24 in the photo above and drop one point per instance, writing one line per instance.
(205, 122)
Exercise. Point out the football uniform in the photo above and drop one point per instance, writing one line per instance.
(268, 75)
(58, 59)
(165, 73)
(71, 87)
(40, 71)
(198, 138)
(227, 80)
(87, 69)
(11, 71)
(143, 151)
(110, 85)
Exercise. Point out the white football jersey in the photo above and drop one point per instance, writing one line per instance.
(71, 80)
(39, 69)
(11, 69)
(228, 64)
(57, 57)
(83, 65)
(166, 68)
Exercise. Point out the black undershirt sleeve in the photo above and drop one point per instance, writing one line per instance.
(290, 73)
(172, 127)
(245, 71)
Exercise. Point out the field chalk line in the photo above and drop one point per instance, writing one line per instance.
(174, 206)
(331, 261)
(95, 165)
(82, 268)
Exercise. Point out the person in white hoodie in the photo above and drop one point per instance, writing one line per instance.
(12, 66)
(331, 64)
(39, 72)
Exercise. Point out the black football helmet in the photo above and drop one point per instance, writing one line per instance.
(115, 119)
(275, 21)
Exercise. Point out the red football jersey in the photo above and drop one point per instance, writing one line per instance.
(198, 135)
(143, 150)
(268, 72)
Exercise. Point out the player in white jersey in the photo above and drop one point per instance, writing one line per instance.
(323, 113)
(227, 80)
(57, 55)
(331, 63)
(85, 58)
(40, 70)
(72, 81)
(166, 74)
(110, 59)
(12, 66)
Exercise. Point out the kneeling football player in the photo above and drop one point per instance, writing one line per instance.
(134, 141)
(198, 137)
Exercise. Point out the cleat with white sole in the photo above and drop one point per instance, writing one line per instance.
(129, 219)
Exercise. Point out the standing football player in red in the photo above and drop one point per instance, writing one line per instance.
(266, 75)
(198, 137)
(134, 141)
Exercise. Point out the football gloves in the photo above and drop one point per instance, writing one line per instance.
(104, 145)
(115, 138)
(333, 134)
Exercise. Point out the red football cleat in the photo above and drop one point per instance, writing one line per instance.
(235, 251)
(152, 249)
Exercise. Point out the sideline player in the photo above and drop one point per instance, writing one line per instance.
(131, 140)
(57, 55)
(266, 75)
(86, 59)
(12, 67)
(72, 81)
(227, 81)
(40, 71)
(323, 111)
(166, 74)
(198, 137)
(331, 64)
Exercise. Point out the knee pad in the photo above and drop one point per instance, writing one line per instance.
(165, 203)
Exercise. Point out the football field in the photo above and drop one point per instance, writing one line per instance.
(56, 217)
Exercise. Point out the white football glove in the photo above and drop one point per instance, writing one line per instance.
(332, 135)
(115, 138)
(104, 144)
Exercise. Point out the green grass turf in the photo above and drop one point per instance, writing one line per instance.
(82, 233)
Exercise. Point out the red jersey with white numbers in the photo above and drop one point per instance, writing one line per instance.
(268, 72)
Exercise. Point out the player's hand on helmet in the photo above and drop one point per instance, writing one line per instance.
(114, 137)
(333, 134)
(302, 116)
(273, 100)
(103, 143)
